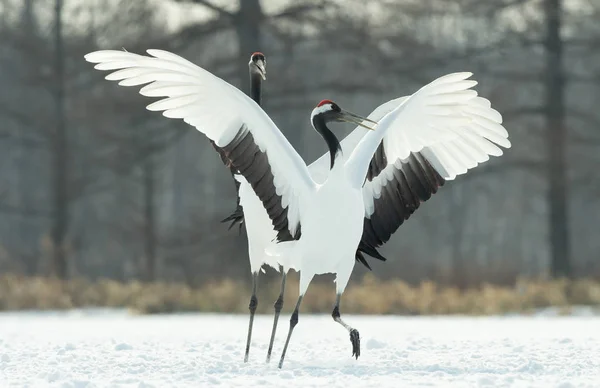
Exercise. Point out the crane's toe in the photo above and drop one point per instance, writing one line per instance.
(355, 339)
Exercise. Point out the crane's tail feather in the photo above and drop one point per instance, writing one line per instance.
(286, 254)
(237, 217)
(369, 250)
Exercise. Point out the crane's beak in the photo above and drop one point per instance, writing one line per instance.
(262, 68)
(356, 119)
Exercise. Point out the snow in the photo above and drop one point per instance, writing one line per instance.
(114, 349)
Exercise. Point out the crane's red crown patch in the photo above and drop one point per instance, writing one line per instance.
(323, 102)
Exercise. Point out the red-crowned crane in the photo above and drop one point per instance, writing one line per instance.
(260, 225)
(440, 131)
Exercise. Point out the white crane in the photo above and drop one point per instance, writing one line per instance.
(441, 131)
(259, 223)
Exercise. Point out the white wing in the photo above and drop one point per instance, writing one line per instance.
(446, 116)
(232, 120)
(441, 131)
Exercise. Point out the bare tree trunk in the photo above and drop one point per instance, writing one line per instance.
(149, 219)
(60, 149)
(247, 23)
(555, 118)
(26, 238)
(458, 218)
(27, 17)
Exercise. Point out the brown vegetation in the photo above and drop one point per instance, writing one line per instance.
(368, 296)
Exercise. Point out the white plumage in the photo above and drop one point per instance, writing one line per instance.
(259, 227)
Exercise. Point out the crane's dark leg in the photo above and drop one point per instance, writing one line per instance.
(354, 336)
(252, 307)
(293, 322)
(278, 306)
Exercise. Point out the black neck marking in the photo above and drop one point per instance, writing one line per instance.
(255, 85)
(332, 141)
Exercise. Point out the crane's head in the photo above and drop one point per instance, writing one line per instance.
(329, 111)
(258, 65)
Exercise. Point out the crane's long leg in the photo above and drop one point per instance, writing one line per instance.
(278, 306)
(252, 307)
(293, 322)
(354, 336)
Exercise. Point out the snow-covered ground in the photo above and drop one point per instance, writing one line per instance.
(114, 349)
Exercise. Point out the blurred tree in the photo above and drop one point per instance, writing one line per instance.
(60, 151)
(557, 140)
(137, 152)
(51, 116)
(250, 22)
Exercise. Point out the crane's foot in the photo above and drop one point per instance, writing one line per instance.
(355, 340)
(354, 336)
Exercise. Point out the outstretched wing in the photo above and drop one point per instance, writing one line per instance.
(233, 121)
(441, 131)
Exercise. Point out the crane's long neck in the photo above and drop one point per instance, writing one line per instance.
(255, 85)
(332, 141)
